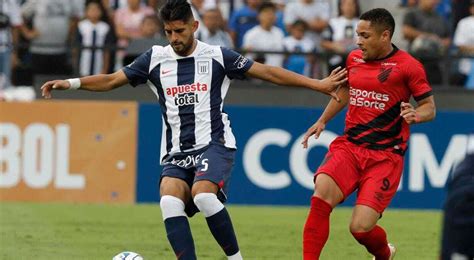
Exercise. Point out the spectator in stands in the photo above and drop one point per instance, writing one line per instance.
(243, 20)
(464, 40)
(94, 33)
(211, 32)
(150, 35)
(266, 36)
(316, 13)
(298, 41)
(428, 36)
(54, 22)
(340, 36)
(127, 22)
(10, 24)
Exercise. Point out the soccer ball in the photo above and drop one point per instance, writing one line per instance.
(128, 256)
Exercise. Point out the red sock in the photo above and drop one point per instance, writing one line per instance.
(316, 229)
(375, 241)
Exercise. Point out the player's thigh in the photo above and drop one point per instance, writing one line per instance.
(327, 189)
(337, 176)
(380, 181)
(213, 170)
(176, 181)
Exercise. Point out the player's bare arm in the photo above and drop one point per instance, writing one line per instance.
(99, 83)
(281, 76)
(424, 112)
(330, 111)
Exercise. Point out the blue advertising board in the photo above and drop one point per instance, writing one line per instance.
(272, 168)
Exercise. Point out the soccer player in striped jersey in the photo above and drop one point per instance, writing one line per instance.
(190, 79)
(369, 156)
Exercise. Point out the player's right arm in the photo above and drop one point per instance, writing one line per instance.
(101, 82)
(330, 111)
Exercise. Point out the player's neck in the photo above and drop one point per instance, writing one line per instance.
(386, 52)
(191, 50)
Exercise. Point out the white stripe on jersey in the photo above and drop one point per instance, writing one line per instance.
(196, 106)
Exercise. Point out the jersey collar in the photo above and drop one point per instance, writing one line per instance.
(395, 49)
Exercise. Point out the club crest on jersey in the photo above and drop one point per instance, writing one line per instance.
(383, 75)
(203, 67)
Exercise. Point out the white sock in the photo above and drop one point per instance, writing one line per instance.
(236, 256)
(208, 204)
(171, 207)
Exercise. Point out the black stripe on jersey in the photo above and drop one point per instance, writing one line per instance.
(423, 96)
(155, 79)
(187, 137)
(377, 136)
(379, 122)
(217, 126)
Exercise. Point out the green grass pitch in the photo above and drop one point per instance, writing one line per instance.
(79, 231)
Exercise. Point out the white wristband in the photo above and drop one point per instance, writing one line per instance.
(75, 83)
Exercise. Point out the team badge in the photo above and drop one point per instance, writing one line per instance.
(203, 67)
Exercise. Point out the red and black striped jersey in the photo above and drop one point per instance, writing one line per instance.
(376, 90)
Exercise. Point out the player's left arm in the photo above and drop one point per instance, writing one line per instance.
(425, 111)
(285, 77)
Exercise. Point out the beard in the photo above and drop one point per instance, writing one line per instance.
(182, 48)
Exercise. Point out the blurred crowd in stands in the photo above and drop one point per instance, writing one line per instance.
(84, 37)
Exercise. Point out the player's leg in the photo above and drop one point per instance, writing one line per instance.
(378, 186)
(365, 230)
(316, 230)
(175, 193)
(336, 178)
(213, 172)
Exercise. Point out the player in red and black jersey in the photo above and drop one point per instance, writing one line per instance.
(369, 156)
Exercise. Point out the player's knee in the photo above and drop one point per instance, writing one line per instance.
(171, 207)
(358, 226)
(208, 203)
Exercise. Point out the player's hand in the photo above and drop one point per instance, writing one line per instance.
(54, 84)
(315, 130)
(408, 113)
(331, 83)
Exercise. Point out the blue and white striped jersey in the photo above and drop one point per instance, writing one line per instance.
(191, 92)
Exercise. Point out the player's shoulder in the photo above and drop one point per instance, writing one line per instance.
(405, 58)
(355, 57)
(208, 50)
(160, 52)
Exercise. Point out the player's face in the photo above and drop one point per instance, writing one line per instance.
(180, 34)
(370, 41)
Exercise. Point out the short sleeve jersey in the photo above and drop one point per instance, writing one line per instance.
(376, 90)
(191, 91)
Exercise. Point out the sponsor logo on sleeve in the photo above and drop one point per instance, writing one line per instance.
(240, 62)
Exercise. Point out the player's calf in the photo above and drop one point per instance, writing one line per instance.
(219, 223)
(177, 227)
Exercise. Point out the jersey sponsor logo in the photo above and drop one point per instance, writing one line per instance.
(389, 64)
(370, 99)
(206, 53)
(186, 99)
(358, 60)
(187, 88)
(240, 62)
(187, 162)
(186, 94)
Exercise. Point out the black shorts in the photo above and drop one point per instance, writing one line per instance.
(213, 163)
